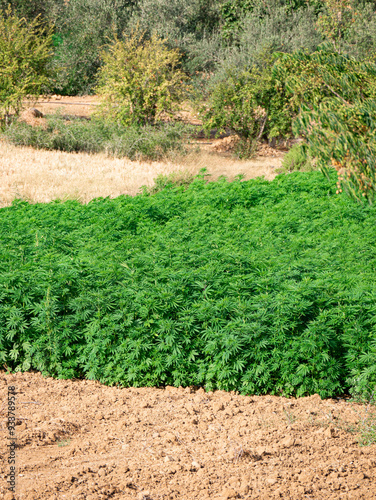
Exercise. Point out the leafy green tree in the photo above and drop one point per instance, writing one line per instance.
(25, 53)
(140, 80)
(336, 19)
(191, 26)
(336, 99)
(233, 13)
(266, 101)
(250, 104)
(30, 9)
(82, 29)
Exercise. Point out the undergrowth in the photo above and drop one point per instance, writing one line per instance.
(94, 136)
(251, 286)
(297, 160)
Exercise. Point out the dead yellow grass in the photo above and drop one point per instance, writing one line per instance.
(42, 176)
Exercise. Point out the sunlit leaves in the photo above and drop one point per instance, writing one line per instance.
(273, 290)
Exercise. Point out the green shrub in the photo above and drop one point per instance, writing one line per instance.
(140, 81)
(252, 104)
(174, 179)
(251, 286)
(31, 8)
(267, 100)
(345, 140)
(25, 52)
(297, 160)
(269, 27)
(360, 40)
(240, 18)
(135, 143)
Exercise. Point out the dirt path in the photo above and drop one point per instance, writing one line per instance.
(82, 440)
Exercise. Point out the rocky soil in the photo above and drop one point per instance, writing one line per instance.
(82, 440)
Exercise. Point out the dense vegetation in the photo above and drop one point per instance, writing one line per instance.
(212, 35)
(253, 286)
(166, 140)
(25, 50)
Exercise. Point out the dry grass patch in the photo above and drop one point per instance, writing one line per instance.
(42, 176)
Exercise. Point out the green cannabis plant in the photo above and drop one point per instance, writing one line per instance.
(254, 286)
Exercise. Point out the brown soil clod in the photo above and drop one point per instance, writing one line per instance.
(33, 117)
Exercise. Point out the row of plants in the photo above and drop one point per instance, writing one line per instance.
(254, 286)
(61, 133)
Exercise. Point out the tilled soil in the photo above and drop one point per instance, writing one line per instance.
(82, 440)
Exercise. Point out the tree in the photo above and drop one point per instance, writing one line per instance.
(140, 80)
(25, 52)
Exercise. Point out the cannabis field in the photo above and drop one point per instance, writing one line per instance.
(254, 286)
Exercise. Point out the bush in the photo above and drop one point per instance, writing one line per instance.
(174, 179)
(31, 8)
(25, 52)
(135, 143)
(269, 27)
(241, 17)
(251, 286)
(360, 37)
(297, 160)
(250, 103)
(266, 101)
(344, 137)
(140, 81)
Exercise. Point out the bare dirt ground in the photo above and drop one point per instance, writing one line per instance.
(81, 440)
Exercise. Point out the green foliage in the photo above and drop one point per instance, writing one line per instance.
(236, 103)
(337, 95)
(252, 104)
(82, 30)
(336, 20)
(270, 26)
(140, 81)
(135, 143)
(30, 9)
(345, 139)
(191, 26)
(250, 286)
(266, 102)
(25, 51)
(323, 75)
(174, 179)
(297, 160)
(360, 40)
(233, 13)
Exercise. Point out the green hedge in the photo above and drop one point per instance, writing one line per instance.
(250, 286)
